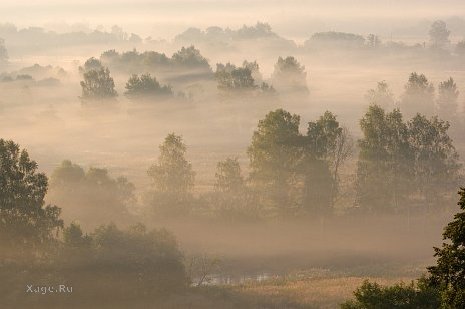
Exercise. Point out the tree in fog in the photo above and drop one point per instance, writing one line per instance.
(230, 77)
(260, 30)
(3, 52)
(228, 176)
(435, 164)
(190, 57)
(373, 41)
(460, 48)
(448, 273)
(402, 164)
(418, 96)
(335, 40)
(326, 147)
(135, 39)
(254, 70)
(73, 237)
(273, 156)
(118, 33)
(25, 221)
(98, 85)
(439, 34)
(172, 178)
(447, 99)
(381, 96)
(67, 174)
(146, 86)
(91, 64)
(109, 56)
(289, 76)
(268, 89)
(384, 163)
(91, 196)
(232, 197)
(121, 263)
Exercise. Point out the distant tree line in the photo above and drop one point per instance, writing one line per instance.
(215, 37)
(289, 76)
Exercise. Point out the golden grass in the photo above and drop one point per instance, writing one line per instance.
(312, 293)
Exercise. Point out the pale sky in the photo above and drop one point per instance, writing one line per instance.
(165, 18)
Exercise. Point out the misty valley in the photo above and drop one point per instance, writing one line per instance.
(232, 167)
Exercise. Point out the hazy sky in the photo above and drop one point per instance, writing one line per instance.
(165, 18)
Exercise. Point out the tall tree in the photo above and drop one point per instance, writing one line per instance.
(325, 150)
(381, 96)
(383, 167)
(273, 156)
(172, 177)
(228, 176)
(418, 96)
(289, 76)
(449, 272)
(233, 200)
(25, 221)
(436, 165)
(373, 41)
(98, 85)
(91, 64)
(439, 34)
(255, 70)
(447, 99)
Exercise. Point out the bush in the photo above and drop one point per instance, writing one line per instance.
(412, 296)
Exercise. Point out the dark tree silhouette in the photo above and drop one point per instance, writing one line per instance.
(449, 273)
(25, 221)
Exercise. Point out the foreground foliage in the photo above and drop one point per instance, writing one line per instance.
(371, 295)
(443, 288)
(449, 273)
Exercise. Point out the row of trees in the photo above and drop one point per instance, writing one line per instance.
(290, 172)
(401, 166)
(99, 85)
(216, 34)
(419, 97)
(401, 163)
(262, 33)
(438, 36)
(289, 77)
(185, 59)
